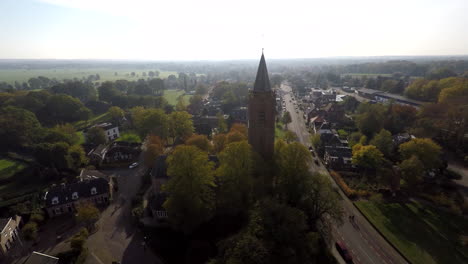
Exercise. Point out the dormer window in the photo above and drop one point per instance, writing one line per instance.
(75, 196)
(55, 200)
(93, 190)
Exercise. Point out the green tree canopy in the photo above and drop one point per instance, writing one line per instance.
(383, 141)
(190, 187)
(180, 125)
(412, 170)
(426, 150)
(199, 141)
(235, 177)
(18, 127)
(368, 157)
(96, 136)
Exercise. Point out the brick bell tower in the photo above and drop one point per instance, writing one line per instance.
(262, 114)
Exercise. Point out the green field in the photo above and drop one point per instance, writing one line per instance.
(423, 234)
(106, 74)
(172, 95)
(8, 168)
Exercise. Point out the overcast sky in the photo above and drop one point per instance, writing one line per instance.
(234, 29)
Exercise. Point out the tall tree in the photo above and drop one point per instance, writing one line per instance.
(180, 125)
(412, 170)
(383, 141)
(286, 119)
(153, 148)
(235, 177)
(116, 113)
(190, 188)
(368, 157)
(18, 127)
(199, 141)
(96, 135)
(426, 150)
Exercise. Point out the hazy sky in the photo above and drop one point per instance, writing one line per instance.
(235, 29)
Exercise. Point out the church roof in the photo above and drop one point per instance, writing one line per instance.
(262, 82)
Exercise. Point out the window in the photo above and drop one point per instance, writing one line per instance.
(108, 133)
(55, 200)
(58, 211)
(93, 190)
(114, 130)
(261, 118)
(75, 196)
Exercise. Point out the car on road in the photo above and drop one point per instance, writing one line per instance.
(133, 165)
(341, 248)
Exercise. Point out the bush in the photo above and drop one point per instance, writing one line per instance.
(350, 192)
(30, 231)
(37, 217)
(78, 241)
(82, 257)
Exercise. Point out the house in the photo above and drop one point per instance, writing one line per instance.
(97, 155)
(40, 258)
(338, 157)
(9, 234)
(66, 198)
(122, 152)
(316, 122)
(239, 115)
(111, 131)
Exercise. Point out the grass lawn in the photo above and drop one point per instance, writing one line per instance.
(129, 137)
(423, 234)
(9, 167)
(79, 125)
(106, 74)
(172, 95)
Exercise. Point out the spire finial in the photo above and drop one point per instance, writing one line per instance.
(262, 50)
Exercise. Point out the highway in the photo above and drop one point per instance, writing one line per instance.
(365, 244)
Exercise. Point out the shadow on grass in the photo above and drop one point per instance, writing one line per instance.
(422, 234)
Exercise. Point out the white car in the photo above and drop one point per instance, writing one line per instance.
(133, 165)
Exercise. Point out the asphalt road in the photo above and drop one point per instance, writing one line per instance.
(362, 240)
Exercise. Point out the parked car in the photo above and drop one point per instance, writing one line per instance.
(133, 165)
(340, 246)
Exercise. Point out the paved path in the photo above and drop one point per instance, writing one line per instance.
(364, 242)
(117, 238)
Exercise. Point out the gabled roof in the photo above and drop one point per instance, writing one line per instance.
(3, 223)
(64, 192)
(262, 82)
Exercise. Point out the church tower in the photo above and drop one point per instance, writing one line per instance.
(262, 114)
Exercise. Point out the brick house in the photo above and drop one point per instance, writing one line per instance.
(9, 234)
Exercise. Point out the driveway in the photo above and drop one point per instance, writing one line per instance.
(117, 239)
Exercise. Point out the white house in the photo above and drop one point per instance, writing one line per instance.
(111, 131)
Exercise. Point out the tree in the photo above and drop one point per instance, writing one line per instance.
(412, 170)
(292, 170)
(78, 240)
(77, 156)
(290, 136)
(190, 187)
(154, 147)
(116, 113)
(315, 140)
(235, 177)
(370, 121)
(30, 231)
(65, 132)
(180, 125)
(368, 157)
(276, 233)
(181, 105)
(151, 121)
(320, 200)
(195, 104)
(199, 141)
(54, 155)
(426, 150)
(87, 214)
(201, 89)
(96, 136)
(383, 141)
(286, 119)
(61, 108)
(235, 136)
(18, 127)
(241, 128)
(350, 104)
(219, 141)
(107, 92)
(222, 126)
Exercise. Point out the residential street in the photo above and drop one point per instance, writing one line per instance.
(364, 242)
(117, 238)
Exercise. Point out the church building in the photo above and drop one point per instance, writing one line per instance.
(262, 113)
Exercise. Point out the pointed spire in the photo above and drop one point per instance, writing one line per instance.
(262, 82)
